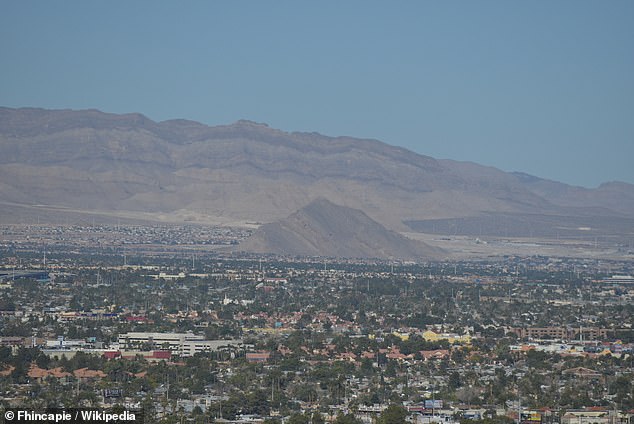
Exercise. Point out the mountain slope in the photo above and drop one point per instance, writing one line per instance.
(615, 196)
(94, 162)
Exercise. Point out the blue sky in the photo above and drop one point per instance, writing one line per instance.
(543, 87)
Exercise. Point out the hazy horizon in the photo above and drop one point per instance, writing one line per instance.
(541, 88)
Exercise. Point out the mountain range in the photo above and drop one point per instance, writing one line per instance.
(86, 162)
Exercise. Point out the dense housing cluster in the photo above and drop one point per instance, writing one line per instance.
(216, 337)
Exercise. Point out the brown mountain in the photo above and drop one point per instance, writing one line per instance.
(322, 228)
(59, 162)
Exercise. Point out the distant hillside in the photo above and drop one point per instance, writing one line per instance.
(324, 229)
(93, 163)
(614, 196)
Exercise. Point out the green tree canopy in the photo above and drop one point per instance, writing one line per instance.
(394, 414)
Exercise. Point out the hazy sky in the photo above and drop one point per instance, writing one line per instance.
(543, 87)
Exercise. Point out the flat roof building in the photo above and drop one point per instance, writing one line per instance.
(183, 344)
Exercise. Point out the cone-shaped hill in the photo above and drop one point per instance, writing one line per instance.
(323, 228)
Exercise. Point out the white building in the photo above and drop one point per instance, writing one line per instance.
(183, 344)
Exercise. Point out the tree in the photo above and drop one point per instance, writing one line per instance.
(298, 418)
(197, 411)
(454, 380)
(256, 402)
(317, 418)
(347, 419)
(305, 392)
(42, 361)
(537, 359)
(394, 414)
(624, 390)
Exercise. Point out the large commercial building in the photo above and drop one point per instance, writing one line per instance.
(562, 333)
(183, 344)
